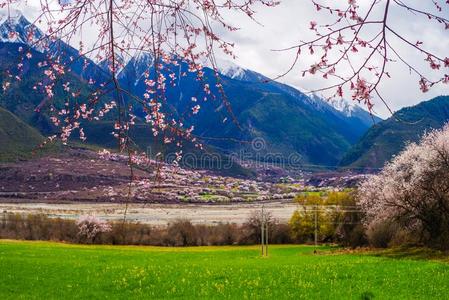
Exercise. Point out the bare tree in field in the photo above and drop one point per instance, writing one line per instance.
(354, 50)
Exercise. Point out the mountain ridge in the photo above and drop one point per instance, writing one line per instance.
(387, 138)
(17, 139)
(289, 121)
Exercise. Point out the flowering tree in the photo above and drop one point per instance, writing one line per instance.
(90, 227)
(413, 190)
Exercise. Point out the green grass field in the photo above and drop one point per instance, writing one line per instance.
(52, 270)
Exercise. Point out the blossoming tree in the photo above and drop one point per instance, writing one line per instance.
(413, 190)
(89, 227)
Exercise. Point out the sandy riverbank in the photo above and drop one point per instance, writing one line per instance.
(156, 214)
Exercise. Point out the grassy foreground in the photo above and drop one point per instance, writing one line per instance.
(53, 270)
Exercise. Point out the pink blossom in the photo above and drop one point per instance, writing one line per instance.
(90, 226)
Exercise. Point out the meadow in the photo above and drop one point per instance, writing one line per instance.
(36, 270)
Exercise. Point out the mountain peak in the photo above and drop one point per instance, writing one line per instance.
(346, 107)
(13, 18)
(389, 137)
(230, 69)
(15, 28)
(343, 106)
(136, 66)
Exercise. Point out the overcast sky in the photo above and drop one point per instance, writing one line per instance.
(287, 23)
(284, 25)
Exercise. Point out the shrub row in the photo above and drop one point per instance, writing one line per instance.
(91, 230)
(178, 233)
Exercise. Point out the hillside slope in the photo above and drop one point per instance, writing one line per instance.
(17, 139)
(289, 122)
(389, 137)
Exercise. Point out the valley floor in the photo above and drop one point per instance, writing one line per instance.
(156, 214)
(53, 270)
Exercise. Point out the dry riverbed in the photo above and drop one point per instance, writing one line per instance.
(156, 214)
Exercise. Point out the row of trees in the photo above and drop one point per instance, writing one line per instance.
(407, 203)
(91, 230)
(333, 218)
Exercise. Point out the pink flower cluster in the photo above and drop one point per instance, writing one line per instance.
(412, 182)
(90, 226)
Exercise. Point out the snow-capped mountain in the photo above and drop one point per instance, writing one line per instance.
(340, 105)
(262, 106)
(136, 67)
(288, 120)
(349, 109)
(105, 64)
(230, 69)
(134, 70)
(17, 29)
(343, 105)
